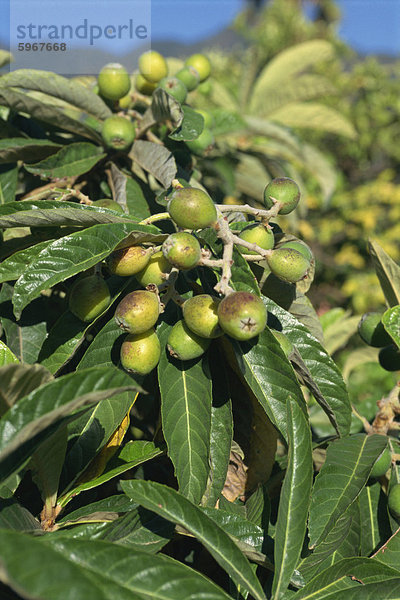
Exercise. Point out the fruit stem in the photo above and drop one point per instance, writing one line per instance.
(224, 233)
(251, 246)
(153, 218)
(250, 210)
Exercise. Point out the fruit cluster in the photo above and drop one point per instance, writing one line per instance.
(242, 315)
(114, 85)
(373, 333)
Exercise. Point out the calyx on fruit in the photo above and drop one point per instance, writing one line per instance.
(201, 315)
(372, 331)
(89, 297)
(153, 66)
(203, 144)
(118, 132)
(242, 315)
(156, 270)
(288, 264)
(389, 358)
(143, 86)
(201, 63)
(113, 81)
(140, 353)
(382, 464)
(258, 234)
(182, 250)
(174, 87)
(192, 208)
(108, 203)
(286, 191)
(128, 261)
(138, 311)
(394, 500)
(184, 344)
(189, 76)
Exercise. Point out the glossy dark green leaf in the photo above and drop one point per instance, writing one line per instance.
(237, 527)
(186, 397)
(346, 469)
(71, 255)
(96, 570)
(294, 499)
(105, 348)
(6, 356)
(116, 505)
(171, 505)
(388, 273)
(18, 380)
(69, 161)
(37, 416)
(19, 148)
(63, 339)
(156, 160)
(391, 322)
(375, 526)
(242, 276)
(389, 553)
(324, 371)
(16, 517)
(136, 201)
(8, 183)
(12, 267)
(191, 127)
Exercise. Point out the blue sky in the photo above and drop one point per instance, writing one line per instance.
(370, 26)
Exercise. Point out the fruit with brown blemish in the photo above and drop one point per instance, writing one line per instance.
(285, 191)
(242, 315)
(128, 261)
(192, 208)
(288, 264)
(140, 353)
(156, 270)
(138, 311)
(184, 344)
(201, 315)
(182, 250)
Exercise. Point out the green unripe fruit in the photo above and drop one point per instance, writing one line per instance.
(118, 133)
(128, 261)
(190, 77)
(140, 353)
(203, 144)
(182, 250)
(209, 121)
(201, 316)
(202, 65)
(125, 102)
(242, 315)
(155, 271)
(288, 264)
(300, 247)
(108, 203)
(286, 191)
(137, 312)
(174, 87)
(113, 81)
(257, 234)
(382, 464)
(372, 331)
(389, 358)
(284, 342)
(192, 208)
(183, 344)
(143, 86)
(89, 297)
(394, 500)
(153, 66)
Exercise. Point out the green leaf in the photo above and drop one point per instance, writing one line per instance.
(227, 121)
(14, 149)
(96, 570)
(164, 108)
(171, 505)
(294, 499)
(314, 115)
(113, 505)
(8, 183)
(12, 267)
(18, 381)
(343, 475)
(389, 554)
(6, 356)
(375, 526)
(243, 278)
(71, 255)
(37, 416)
(16, 517)
(237, 527)
(63, 339)
(135, 200)
(156, 160)
(267, 371)
(391, 322)
(48, 113)
(323, 370)
(388, 273)
(105, 348)
(68, 90)
(191, 126)
(69, 161)
(186, 396)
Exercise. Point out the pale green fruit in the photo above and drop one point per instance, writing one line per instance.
(288, 264)
(201, 315)
(184, 344)
(89, 297)
(140, 353)
(138, 311)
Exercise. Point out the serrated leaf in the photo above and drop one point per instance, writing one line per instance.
(37, 416)
(323, 370)
(14, 149)
(18, 381)
(12, 267)
(8, 183)
(186, 397)
(191, 126)
(67, 90)
(71, 255)
(156, 160)
(388, 273)
(314, 115)
(171, 505)
(69, 161)
(346, 469)
(48, 113)
(6, 356)
(391, 322)
(97, 570)
(267, 371)
(294, 499)
(375, 526)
